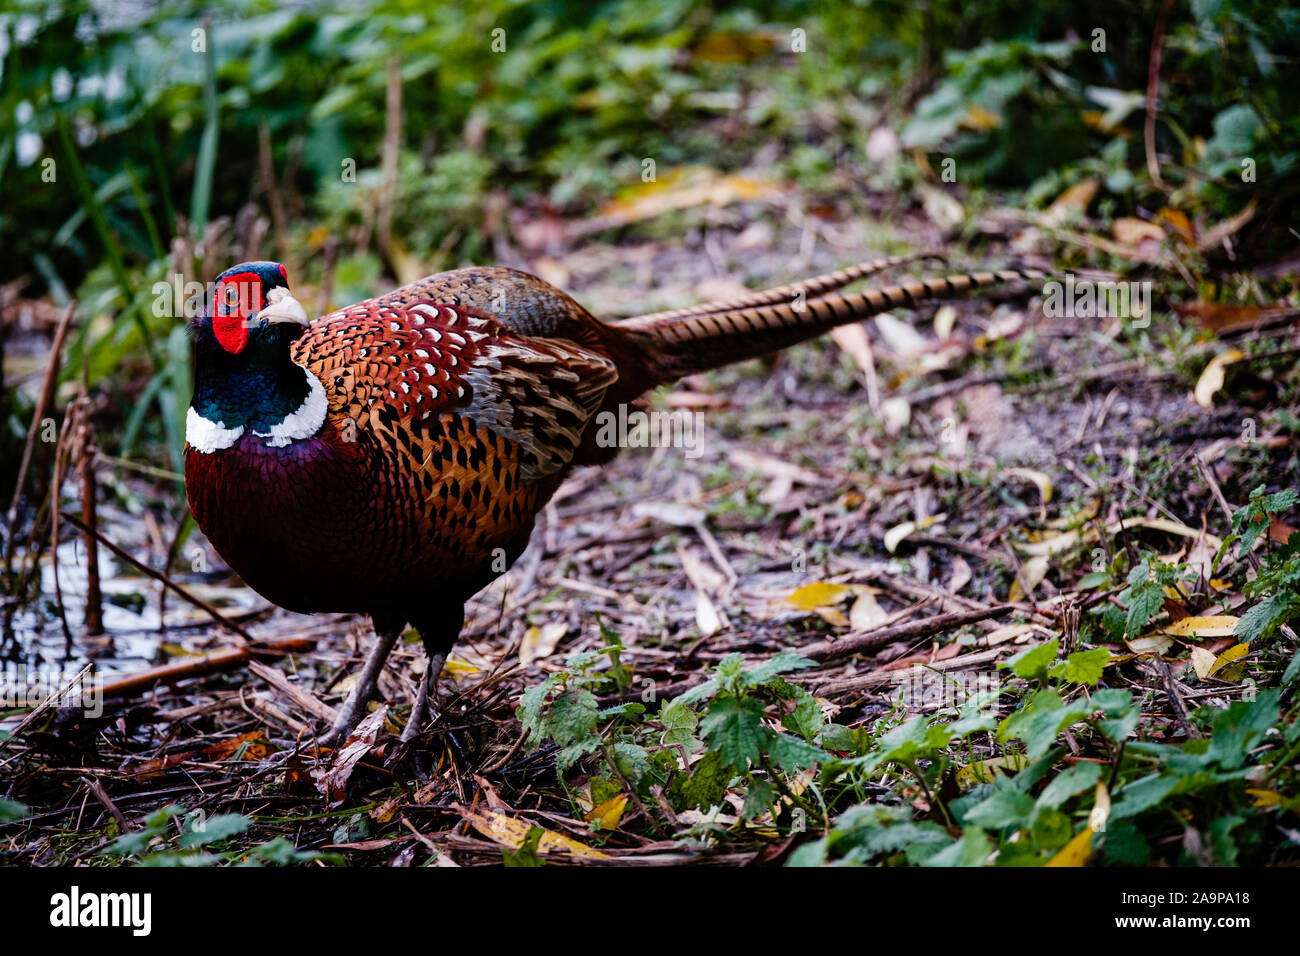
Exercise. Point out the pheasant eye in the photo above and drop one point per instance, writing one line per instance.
(230, 295)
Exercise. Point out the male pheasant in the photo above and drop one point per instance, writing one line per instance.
(390, 458)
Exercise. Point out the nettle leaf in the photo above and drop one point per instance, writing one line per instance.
(1043, 717)
(1032, 664)
(758, 799)
(572, 716)
(632, 760)
(806, 719)
(1125, 844)
(1264, 617)
(1288, 677)
(1082, 667)
(679, 723)
(1080, 777)
(972, 849)
(1112, 701)
(1003, 808)
(531, 709)
(793, 753)
(782, 663)
(1144, 602)
(1141, 795)
(1052, 829)
(215, 828)
(734, 728)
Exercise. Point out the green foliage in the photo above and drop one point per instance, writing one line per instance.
(171, 837)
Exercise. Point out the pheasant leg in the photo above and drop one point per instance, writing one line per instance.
(420, 712)
(367, 683)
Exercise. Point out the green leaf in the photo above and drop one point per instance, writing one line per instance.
(1145, 602)
(12, 810)
(1082, 667)
(1032, 664)
(1082, 776)
(1000, 809)
(216, 828)
(734, 729)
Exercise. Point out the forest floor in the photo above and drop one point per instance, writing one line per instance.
(989, 426)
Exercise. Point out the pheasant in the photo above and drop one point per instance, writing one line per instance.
(390, 458)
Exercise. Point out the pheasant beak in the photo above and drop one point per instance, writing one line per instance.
(285, 309)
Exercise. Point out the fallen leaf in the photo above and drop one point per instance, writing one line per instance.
(608, 813)
(1227, 657)
(1031, 574)
(1217, 626)
(1212, 377)
(818, 594)
(1150, 644)
(866, 613)
(961, 575)
(332, 781)
(540, 642)
(895, 535)
(1074, 853)
(983, 771)
(1073, 202)
(1202, 662)
(511, 832)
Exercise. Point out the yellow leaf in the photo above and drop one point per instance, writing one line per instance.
(895, 535)
(1265, 798)
(1043, 482)
(1227, 657)
(1202, 661)
(609, 812)
(512, 832)
(867, 612)
(819, 594)
(1074, 853)
(1073, 202)
(982, 120)
(1165, 525)
(1221, 625)
(1131, 231)
(458, 668)
(983, 771)
(540, 642)
(1031, 575)
(1150, 644)
(1211, 379)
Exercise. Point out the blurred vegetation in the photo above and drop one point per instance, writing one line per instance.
(164, 121)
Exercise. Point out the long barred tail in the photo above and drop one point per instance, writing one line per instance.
(685, 345)
(813, 288)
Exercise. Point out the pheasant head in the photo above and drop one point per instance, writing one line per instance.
(244, 376)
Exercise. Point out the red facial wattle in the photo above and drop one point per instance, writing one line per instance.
(238, 297)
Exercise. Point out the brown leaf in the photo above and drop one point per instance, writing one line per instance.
(332, 781)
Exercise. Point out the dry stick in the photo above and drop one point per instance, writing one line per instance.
(167, 566)
(101, 795)
(223, 660)
(1153, 93)
(60, 453)
(47, 397)
(93, 616)
(44, 705)
(163, 579)
(866, 640)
